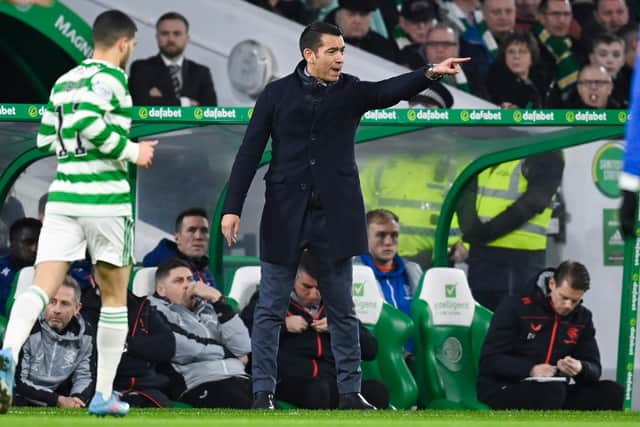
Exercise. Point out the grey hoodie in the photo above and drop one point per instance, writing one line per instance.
(209, 340)
(48, 359)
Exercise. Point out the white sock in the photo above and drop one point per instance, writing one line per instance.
(111, 336)
(26, 309)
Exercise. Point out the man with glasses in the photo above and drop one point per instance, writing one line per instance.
(594, 89)
(442, 43)
(559, 64)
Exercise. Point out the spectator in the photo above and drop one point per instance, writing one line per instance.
(526, 11)
(191, 245)
(150, 343)
(544, 336)
(630, 36)
(611, 15)
(558, 61)
(500, 17)
(212, 343)
(476, 41)
(416, 18)
(354, 19)
(306, 367)
(510, 81)
(442, 41)
(169, 78)
(507, 230)
(398, 278)
(608, 51)
(57, 362)
(23, 245)
(594, 89)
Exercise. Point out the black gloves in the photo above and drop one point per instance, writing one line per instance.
(628, 213)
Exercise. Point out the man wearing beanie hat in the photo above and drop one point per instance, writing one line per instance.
(354, 19)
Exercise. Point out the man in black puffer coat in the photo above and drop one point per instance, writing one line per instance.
(541, 352)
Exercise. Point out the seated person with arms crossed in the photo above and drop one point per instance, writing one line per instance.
(57, 362)
(540, 351)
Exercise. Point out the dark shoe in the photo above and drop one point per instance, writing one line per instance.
(263, 400)
(354, 401)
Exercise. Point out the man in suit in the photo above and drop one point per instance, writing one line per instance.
(313, 197)
(169, 78)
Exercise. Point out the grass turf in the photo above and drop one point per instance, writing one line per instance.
(50, 417)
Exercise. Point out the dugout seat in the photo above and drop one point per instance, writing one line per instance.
(143, 283)
(392, 329)
(451, 328)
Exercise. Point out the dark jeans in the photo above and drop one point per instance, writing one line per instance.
(601, 395)
(497, 272)
(335, 281)
(234, 392)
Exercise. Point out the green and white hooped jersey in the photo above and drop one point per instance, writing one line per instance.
(87, 123)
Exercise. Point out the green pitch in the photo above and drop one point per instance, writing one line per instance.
(32, 417)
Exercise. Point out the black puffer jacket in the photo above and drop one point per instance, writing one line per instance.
(526, 331)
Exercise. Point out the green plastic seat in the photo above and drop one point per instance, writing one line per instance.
(451, 328)
(393, 329)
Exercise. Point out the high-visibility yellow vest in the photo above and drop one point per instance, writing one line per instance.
(414, 189)
(498, 188)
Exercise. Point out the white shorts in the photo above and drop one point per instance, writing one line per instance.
(64, 238)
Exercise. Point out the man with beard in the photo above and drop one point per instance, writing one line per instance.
(86, 124)
(169, 78)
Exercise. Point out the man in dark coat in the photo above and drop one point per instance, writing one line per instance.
(541, 351)
(169, 78)
(313, 197)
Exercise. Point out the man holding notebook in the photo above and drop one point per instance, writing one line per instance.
(540, 351)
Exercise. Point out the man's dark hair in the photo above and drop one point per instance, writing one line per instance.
(165, 267)
(172, 15)
(606, 38)
(521, 38)
(381, 216)
(544, 5)
(21, 224)
(308, 264)
(110, 26)
(312, 34)
(72, 283)
(190, 212)
(574, 273)
(596, 4)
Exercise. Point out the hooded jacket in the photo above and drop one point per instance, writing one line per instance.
(526, 331)
(49, 361)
